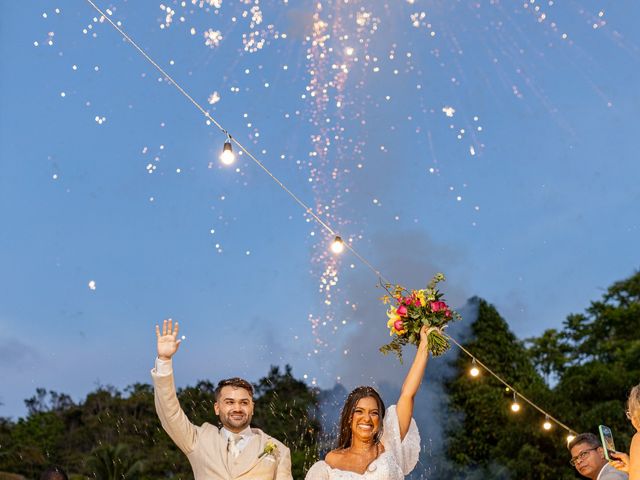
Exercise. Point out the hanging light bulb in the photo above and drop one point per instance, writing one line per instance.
(338, 245)
(227, 156)
(474, 371)
(570, 438)
(547, 425)
(515, 406)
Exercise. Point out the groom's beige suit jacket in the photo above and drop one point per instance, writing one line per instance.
(206, 446)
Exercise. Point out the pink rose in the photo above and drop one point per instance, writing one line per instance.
(402, 311)
(398, 325)
(438, 306)
(417, 302)
(447, 313)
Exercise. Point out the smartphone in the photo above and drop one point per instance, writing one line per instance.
(607, 441)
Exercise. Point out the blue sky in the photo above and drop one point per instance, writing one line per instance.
(493, 141)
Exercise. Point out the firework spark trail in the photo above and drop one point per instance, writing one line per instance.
(584, 62)
(515, 46)
(324, 178)
(333, 52)
(464, 126)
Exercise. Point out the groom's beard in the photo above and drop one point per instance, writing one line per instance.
(236, 420)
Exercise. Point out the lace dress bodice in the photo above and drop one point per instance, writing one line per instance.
(398, 459)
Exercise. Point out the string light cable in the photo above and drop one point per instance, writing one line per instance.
(308, 210)
(548, 416)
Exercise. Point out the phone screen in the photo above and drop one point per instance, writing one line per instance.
(607, 441)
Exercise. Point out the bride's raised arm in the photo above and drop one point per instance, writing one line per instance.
(412, 384)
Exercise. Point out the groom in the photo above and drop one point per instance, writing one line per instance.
(235, 451)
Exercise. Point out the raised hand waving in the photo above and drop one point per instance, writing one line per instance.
(168, 341)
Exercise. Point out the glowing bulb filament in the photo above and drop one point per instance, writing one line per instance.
(227, 156)
(515, 406)
(474, 371)
(338, 245)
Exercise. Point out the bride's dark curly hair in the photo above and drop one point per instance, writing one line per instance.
(346, 417)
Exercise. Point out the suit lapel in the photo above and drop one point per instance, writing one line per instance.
(249, 456)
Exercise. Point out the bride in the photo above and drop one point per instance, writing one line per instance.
(374, 444)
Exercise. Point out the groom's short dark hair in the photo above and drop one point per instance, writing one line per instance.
(235, 382)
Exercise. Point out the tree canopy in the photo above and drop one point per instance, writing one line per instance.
(581, 374)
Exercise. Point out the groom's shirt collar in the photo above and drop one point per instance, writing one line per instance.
(245, 434)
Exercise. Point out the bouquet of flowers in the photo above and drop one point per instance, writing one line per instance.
(410, 310)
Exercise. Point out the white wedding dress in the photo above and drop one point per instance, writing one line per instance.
(397, 460)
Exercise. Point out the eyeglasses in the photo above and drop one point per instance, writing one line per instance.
(581, 456)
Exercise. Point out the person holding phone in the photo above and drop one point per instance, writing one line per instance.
(587, 456)
(631, 463)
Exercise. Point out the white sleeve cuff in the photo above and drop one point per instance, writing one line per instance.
(163, 367)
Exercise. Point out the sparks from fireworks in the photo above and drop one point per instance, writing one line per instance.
(338, 52)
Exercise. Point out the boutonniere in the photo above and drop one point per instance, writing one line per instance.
(270, 448)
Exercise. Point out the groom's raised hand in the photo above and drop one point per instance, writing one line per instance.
(168, 342)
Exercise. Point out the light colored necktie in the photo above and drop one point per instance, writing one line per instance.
(232, 445)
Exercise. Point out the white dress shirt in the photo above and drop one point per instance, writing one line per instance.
(246, 434)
